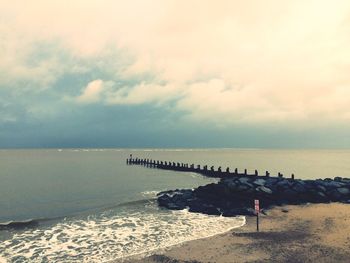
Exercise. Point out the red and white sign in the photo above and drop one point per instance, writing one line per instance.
(257, 209)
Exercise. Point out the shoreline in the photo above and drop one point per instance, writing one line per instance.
(139, 257)
(292, 233)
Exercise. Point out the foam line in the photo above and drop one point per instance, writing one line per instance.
(113, 234)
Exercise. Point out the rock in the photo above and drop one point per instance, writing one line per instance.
(196, 207)
(178, 198)
(175, 202)
(249, 185)
(243, 180)
(165, 192)
(283, 184)
(300, 182)
(187, 194)
(174, 206)
(298, 187)
(337, 179)
(321, 188)
(285, 210)
(250, 190)
(243, 187)
(210, 190)
(204, 208)
(211, 210)
(272, 187)
(346, 180)
(273, 180)
(163, 200)
(334, 184)
(321, 194)
(289, 195)
(335, 196)
(264, 189)
(314, 196)
(260, 182)
(343, 190)
(235, 195)
(271, 183)
(231, 184)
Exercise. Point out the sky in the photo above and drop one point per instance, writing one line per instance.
(173, 73)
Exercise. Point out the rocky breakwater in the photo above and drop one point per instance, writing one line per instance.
(235, 196)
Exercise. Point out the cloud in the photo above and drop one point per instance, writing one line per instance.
(223, 61)
(92, 92)
(145, 93)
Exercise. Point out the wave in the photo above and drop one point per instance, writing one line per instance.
(151, 194)
(35, 222)
(113, 235)
(19, 224)
(241, 221)
(135, 202)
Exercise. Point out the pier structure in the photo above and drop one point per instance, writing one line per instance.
(186, 167)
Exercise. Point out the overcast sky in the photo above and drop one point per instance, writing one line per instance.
(159, 73)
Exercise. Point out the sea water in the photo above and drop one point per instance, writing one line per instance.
(87, 205)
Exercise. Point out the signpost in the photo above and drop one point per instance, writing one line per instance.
(257, 210)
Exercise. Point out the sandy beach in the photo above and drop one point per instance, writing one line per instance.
(304, 233)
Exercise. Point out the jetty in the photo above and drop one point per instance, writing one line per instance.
(235, 192)
(203, 170)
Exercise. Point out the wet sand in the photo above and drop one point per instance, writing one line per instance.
(304, 233)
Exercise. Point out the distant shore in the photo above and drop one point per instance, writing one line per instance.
(303, 233)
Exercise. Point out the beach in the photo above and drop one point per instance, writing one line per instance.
(116, 215)
(303, 233)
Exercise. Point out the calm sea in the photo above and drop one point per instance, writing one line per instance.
(87, 205)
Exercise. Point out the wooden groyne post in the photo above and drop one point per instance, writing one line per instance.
(185, 167)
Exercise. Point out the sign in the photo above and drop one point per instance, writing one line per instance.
(257, 208)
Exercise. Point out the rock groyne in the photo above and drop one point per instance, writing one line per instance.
(235, 196)
(235, 193)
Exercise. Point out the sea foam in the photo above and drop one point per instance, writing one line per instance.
(112, 234)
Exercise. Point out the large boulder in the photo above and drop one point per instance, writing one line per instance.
(204, 208)
(343, 190)
(335, 196)
(321, 188)
(334, 184)
(259, 182)
(243, 187)
(230, 184)
(211, 210)
(299, 187)
(284, 184)
(245, 179)
(171, 202)
(264, 190)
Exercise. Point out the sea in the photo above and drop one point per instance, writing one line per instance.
(88, 205)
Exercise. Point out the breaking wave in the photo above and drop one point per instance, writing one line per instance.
(19, 224)
(127, 230)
